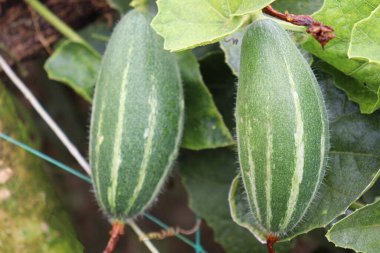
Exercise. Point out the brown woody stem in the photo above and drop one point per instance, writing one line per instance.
(271, 240)
(115, 233)
(321, 32)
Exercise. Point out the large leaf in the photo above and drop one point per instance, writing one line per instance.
(207, 176)
(342, 16)
(359, 231)
(75, 65)
(204, 126)
(365, 40)
(240, 211)
(231, 47)
(355, 90)
(191, 23)
(354, 163)
(31, 217)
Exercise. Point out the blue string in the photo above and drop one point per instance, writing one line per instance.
(198, 245)
(80, 175)
(45, 157)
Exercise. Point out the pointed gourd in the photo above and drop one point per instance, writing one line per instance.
(136, 121)
(282, 131)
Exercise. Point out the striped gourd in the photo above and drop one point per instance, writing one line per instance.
(282, 129)
(136, 121)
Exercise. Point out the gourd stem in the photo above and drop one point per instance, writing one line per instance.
(271, 240)
(115, 233)
(44, 115)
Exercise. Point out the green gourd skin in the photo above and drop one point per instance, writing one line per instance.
(282, 129)
(136, 121)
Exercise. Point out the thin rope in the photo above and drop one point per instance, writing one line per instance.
(197, 247)
(45, 157)
(46, 117)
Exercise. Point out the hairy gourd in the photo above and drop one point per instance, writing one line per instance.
(282, 131)
(136, 121)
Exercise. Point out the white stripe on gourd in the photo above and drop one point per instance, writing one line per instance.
(268, 185)
(251, 175)
(116, 153)
(148, 135)
(137, 119)
(282, 129)
(299, 146)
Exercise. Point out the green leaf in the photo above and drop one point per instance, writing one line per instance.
(365, 39)
(353, 157)
(204, 126)
(240, 210)
(191, 23)
(75, 65)
(355, 90)
(231, 47)
(298, 6)
(358, 231)
(343, 17)
(207, 176)
(122, 6)
(32, 218)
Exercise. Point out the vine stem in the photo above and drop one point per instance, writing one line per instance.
(140, 234)
(286, 25)
(321, 32)
(44, 115)
(58, 24)
(59, 133)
